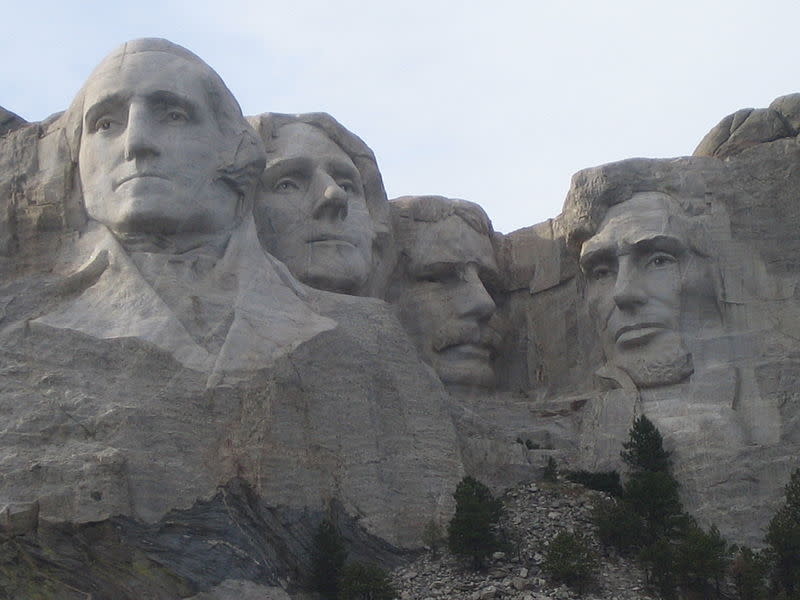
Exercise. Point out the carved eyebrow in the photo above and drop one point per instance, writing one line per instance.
(664, 243)
(281, 166)
(344, 169)
(102, 106)
(173, 99)
(594, 254)
(432, 269)
(597, 255)
(160, 97)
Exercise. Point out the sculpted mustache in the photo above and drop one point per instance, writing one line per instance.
(454, 334)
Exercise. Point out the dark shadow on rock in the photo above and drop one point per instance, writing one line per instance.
(234, 535)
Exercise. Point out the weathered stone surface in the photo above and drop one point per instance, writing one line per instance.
(149, 359)
(232, 537)
(749, 127)
(533, 516)
(539, 354)
(732, 444)
(9, 121)
(505, 438)
(243, 590)
(190, 385)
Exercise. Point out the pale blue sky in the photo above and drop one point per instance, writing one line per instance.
(496, 102)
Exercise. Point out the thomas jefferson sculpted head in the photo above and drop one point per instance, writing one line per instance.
(650, 282)
(442, 284)
(321, 207)
(161, 143)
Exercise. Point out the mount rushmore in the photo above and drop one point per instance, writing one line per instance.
(217, 331)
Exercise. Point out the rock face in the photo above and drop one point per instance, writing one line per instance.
(165, 376)
(699, 318)
(533, 516)
(9, 121)
(215, 332)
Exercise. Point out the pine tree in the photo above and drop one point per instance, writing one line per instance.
(654, 497)
(327, 560)
(363, 581)
(651, 490)
(783, 538)
(470, 532)
(550, 472)
(673, 548)
(619, 526)
(658, 559)
(570, 560)
(644, 450)
(749, 571)
(701, 559)
(433, 537)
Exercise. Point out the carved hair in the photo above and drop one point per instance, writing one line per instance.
(432, 209)
(244, 153)
(594, 191)
(408, 211)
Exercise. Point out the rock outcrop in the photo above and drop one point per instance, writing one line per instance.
(9, 121)
(216, 332)
(533, 516)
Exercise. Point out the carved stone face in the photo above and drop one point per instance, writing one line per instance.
(444, 302)
(646, 288)
(312, 213)
(151, 148)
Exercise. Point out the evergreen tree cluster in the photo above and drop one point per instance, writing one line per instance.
(334, 579)
(681, 558)
(471, 532)
(648, 521)
(783, 543)
(645, 520)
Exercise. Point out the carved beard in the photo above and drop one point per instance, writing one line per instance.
(662, 362)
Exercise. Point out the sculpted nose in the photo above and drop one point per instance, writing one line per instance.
(140, 139)
(331, 203)
(474, 300)
(628, 291)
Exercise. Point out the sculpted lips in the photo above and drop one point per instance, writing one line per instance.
(331, 237)
(633, 335)
(121, 180)
(469, 351)
(466, 340)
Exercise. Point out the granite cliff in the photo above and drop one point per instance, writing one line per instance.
(216, 331)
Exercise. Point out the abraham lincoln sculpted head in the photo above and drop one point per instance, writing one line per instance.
(650, 281)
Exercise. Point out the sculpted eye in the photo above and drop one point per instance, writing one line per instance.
(432, 278)
(285, 185)
(103, 124)
(347, 186)
(661, 259)
(177, 115)
(440, 275)
(600, 272)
